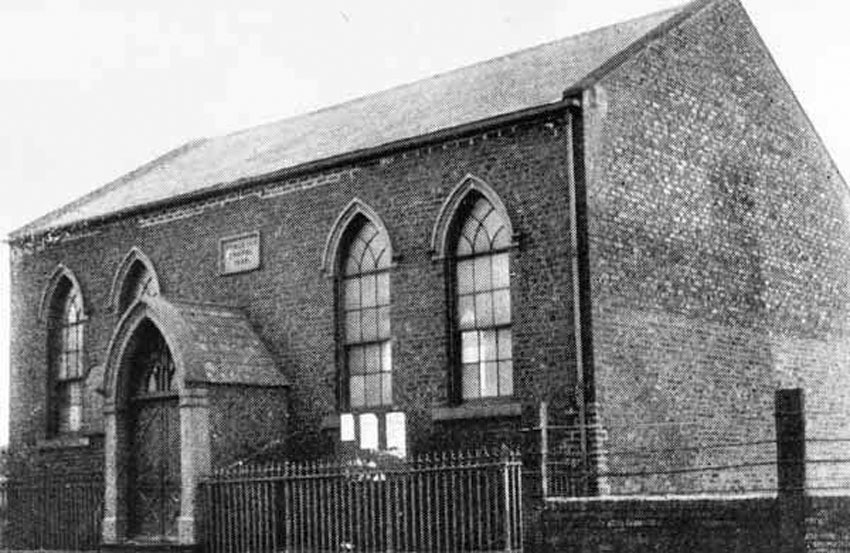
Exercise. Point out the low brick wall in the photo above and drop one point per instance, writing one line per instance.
(671, 525)
(828, 525)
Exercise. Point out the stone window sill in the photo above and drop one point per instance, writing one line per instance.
(477, 411)
(64, 442)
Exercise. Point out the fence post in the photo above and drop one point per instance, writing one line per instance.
(389, 511)
(789, 407)
(543, 423)
(506, 485)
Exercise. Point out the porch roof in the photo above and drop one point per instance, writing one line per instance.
(213, 344)
(224, 348)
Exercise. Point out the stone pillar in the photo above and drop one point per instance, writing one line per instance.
(194, 461)
(791, 468)
(114, 504)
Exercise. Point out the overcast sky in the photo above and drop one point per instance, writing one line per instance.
(90, 90)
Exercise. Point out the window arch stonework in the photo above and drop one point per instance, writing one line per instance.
(335, 241)
(442, 238)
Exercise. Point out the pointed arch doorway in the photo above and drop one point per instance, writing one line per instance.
(167, 363)
(153, 417)
(156, 421)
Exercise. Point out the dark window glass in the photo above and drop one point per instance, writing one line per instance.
(154, 367)
(139, 283)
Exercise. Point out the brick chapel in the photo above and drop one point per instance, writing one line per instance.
(637, 226)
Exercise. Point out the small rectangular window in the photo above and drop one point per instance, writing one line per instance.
(469, 347)
(357, 390)
(489, 379)
(471, 386)
(483, 276)
(483, 309)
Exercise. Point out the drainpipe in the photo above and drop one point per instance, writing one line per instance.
(577, 190)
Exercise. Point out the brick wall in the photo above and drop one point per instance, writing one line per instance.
(82, 458)
(828, 525)
(718, 235)
(624, 526)
(748, 525)
(246, 422)
(290, 302)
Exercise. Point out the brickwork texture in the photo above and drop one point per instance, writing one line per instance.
(718, 230)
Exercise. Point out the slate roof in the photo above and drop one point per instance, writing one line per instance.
(519, 81)
(227, 348)
(218, 344)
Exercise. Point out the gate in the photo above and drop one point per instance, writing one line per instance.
(155, 480)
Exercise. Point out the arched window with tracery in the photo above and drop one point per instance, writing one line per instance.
(481, 288)
(364, 286)
(66, 358)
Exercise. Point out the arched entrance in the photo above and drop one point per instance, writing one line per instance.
(163, 359)
(156, 444)
(153, 416)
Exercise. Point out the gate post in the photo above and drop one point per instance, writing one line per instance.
(113, 524)
(791, 468)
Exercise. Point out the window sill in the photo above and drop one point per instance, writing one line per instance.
(477, 411)
(64, 442)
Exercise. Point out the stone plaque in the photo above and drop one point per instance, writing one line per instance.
(239, 254)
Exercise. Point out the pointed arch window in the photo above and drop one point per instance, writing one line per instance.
(480, 263)
(134, 279)
(67, 359)
(365, 308)
(139, 282)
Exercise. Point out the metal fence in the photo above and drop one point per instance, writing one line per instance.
(47, 512)
(448, 502)
(710, 466)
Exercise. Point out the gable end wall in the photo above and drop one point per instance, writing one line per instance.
(718, 232)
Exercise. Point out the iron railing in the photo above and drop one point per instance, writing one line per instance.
(467, 502)
(51, 512)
